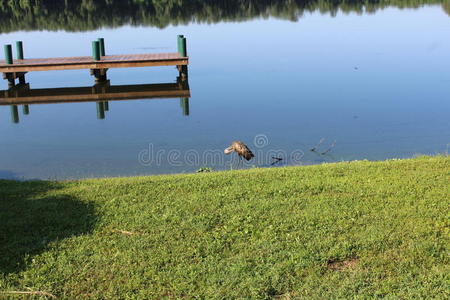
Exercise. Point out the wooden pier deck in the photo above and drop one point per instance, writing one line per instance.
(87, 62)
(98, 64)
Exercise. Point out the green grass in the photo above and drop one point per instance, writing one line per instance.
(346, 230)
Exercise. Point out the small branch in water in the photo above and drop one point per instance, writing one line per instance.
(318, 144)
(276, 160)
(36, 293)
(329, 149)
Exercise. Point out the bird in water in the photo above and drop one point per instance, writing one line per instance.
(241, 149)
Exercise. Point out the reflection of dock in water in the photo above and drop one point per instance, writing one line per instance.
(99, 93)
(22, 94)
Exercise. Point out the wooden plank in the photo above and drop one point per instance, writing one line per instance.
(86, 62)
(23, 95)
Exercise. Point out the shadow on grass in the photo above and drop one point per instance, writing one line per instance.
(30, 220)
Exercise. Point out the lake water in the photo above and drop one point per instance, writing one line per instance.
(366, 85)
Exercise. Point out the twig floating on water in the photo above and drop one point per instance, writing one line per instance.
(329, 149)
(318, 144)
(276, 160)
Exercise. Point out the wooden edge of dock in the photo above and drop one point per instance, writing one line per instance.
(87, 62)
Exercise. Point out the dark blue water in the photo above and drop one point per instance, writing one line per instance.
(370, 86)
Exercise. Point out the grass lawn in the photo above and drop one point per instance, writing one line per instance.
(346, 230)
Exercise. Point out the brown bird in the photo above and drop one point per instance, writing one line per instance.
(241, 149)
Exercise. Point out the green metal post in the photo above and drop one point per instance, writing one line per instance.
(179, 42)
(100, 111)
(19, 48)
(185, 106)
(14, 114)
(183, 48)
(106, 105)
(102, 46)
(26, 110)
(8, 54)
(96, 50)
(19, 51)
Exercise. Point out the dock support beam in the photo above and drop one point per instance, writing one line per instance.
(183, 83)
(9, 61)
(19, 49)
(98, 50)
(101, 87)
(182, 50)
(11, 77)
(22, 79)
(100, 75)
(11, 80)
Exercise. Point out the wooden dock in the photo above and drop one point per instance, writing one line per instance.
(98, 64)
(86, 62)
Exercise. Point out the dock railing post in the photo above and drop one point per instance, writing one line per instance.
(19, 49)
(182, 50)
(179, 42)
(8, 54)
(181, 39)
(103, 75)
(184, 69)
(9, 61)
(183, 47)
(96, 50)
(102, 46)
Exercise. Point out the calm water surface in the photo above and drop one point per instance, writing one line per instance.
(373, 86)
